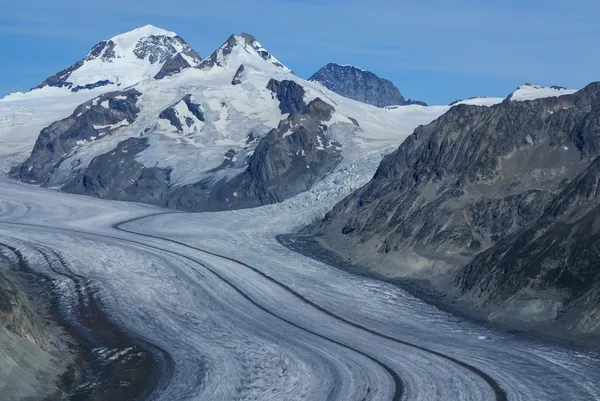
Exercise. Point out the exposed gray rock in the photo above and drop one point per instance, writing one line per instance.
(60, 79)
(93, 85)
(290, 95)
(159, 48)
(417, 102)
(87, 122)
(117, 175)
(361, 85)
(508, 191)
(287, 161)
(549, 271)
(29, 343)
(237, 78)
(171, 115)
(172, 66)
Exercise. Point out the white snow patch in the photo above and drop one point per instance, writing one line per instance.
(120, 124)
(532, 92)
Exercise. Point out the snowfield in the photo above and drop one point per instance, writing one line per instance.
(532, 92)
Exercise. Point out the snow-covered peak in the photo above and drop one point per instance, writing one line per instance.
(531, 92)
(478, 101)
(134, 35)
(127, 59)
(241, 49)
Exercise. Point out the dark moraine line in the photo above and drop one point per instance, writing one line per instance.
(398, 383)
(499, 392)
(135, 375)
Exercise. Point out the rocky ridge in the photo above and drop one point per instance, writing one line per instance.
(360, 85)
(492, 206)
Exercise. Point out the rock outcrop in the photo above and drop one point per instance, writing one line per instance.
(93, 119)
(364, 86)
(494, 205)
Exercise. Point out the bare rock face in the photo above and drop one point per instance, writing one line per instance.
(117, 175)
(16, 314)
(508, 191)
(30, 343)
(364, 86)
(550, 270)
(292, 157)
(286, 162)
(97, 117)
(289, 94)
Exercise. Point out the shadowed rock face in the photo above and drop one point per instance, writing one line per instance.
(554, 264)
(287, 161)
(154, 48)
(117, 175)
(97, 117)
(237, 78)
(357, 84)
(289, 94)
(170, 113)
(508, 191)
(292, 157)
(172, 66)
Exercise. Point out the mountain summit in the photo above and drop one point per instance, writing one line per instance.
(126, 59)
(358, 84)
(238, 50)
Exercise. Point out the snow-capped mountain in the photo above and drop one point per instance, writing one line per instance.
(245, 46)
(358, 84)
(239, 130)
(532, 92)
(126, 59)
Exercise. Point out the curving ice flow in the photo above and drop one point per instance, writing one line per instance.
(244, 318)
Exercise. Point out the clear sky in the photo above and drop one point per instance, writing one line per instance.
(433, 50)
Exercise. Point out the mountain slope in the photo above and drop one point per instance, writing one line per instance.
(548, 271)
(126, 59)
(240, 130)
(496, 206)
(364, 86)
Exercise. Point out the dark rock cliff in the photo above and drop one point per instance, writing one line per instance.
(361, 85)
(502, 200)
(92, 119)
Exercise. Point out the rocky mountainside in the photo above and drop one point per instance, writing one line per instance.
(238, 130)
(364, 86)
(28, 339)
(126, 59)
(493, 205)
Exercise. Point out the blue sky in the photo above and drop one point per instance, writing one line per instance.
(436, 51)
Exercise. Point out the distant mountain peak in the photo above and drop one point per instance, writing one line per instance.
(358, 84)
(126, 59)
(239, 49)
(529, 91)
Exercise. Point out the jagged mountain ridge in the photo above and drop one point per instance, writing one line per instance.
(126, 59)
(213, 122)
(495, 206)
(358, 84)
